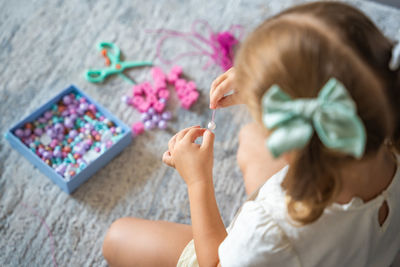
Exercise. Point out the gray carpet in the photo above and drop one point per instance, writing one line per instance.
(47, 45)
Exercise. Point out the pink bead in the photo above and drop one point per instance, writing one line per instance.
(194, 95)
(186, 103)
(176, 70)
(151, 99)
(158, 74)
(180, 83)
(101, 118)
(97, 149)
(53, 143)
(146, 86)
(137, 101)
(191, 85)
(159, 107)
(137, 90)
(172, 77)
(92, 108)
(138, 128)
(150, 91)
(163, 94)
(90, 141)
(182, 93)
(143, 107)
(160, 84)
(109, 144)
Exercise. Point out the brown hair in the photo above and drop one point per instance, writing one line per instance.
(300, 49)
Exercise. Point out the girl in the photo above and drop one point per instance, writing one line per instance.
(317, 81)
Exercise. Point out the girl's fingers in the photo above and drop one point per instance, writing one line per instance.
(193, 134)
(227, 101)
(208, 140)
(182, 133)
(219, 92)
(167, 159)
(171, 143)
(217, 81)
(220, 79)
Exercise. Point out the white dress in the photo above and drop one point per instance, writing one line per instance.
(345, 235)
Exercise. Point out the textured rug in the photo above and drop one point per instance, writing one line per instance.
(46, 46)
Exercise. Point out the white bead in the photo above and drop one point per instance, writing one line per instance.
(211, 125)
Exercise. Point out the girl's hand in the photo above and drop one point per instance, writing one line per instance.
(194, 162)
(221, 86)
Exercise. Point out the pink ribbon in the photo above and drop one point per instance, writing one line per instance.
(218, 46)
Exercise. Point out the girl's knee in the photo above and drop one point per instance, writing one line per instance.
(113, 240)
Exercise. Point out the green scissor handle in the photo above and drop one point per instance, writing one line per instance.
(116, 65)
(113, 51)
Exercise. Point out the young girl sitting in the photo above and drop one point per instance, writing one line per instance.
(317, 80)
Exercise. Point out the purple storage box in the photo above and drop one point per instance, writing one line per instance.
(91, 168)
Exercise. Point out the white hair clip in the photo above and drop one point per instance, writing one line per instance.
(394, 63)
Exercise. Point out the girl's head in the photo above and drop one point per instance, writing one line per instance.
(300, 49)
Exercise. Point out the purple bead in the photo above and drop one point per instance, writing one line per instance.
(61, 168)
(41, 150)
(57, 153)
(27, 132)
(155, 118)
(42, 120)
(144, 117)
(48, 115)
(28, 141)
(38, 131)
(47, 155)
(88, 126)
(19, 133)
(80, 150)
(73, 117)
(89, 142)
(60, 136)
(73, 133)
(67, 100)
(125, 99)
(65, 113)
(81, 161)
(83, 106)
(86, 145)
(148, 125)
(68, 122)
(59, 128)
(72, 110)
(166, 115)
(162, 124)
(92, 108)
(80, 111)
(162, 100)
(151, 111)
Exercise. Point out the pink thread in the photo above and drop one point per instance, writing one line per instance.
(221, 44)
(32, 211)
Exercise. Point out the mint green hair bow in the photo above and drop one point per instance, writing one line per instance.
(332, 115)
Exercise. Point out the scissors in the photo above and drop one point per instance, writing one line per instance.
(112, 54)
